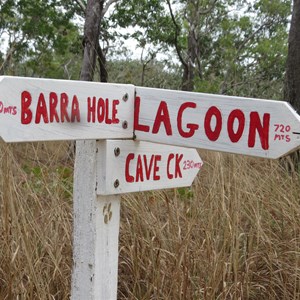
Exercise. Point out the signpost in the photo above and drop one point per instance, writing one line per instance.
(262, 128)
(96, 230)
(43, 110)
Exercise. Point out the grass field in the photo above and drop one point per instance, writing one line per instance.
(235, 234)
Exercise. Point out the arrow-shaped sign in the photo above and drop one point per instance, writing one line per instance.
(255, 127)
(130, 166)
(46, 109)
(33, 109)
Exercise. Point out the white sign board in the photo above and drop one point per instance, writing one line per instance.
(129, 166)
(33, 109)
(263, 128)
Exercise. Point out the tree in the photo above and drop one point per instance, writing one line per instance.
(91, 38)
(191, 41)
(156, 74)
(95, 30)
(292, 82)
(229, 47)
(42, 39)
(292, 79)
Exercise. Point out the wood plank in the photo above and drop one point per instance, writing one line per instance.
(34, 109)
(96, 230)
(132, 166)
(264, 128)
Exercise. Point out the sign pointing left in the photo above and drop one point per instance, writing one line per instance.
(33, 109)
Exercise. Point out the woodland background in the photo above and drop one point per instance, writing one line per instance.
(235, 233)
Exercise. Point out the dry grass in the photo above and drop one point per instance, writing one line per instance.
(36, 223)
(233, 235)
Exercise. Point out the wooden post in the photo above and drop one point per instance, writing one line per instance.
(96, 229)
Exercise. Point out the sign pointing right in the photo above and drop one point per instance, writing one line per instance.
(263, 128)
(131, 166)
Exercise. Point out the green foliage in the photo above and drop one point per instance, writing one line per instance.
(185, 193)
(211, 85)
(233, 47)
(275, 8)
(237, 47)
(156, 73)
(43, 177)
(150, 19)
(42, 39)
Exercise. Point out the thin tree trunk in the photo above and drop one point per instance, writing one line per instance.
(189, 68)
(102, 64)
(188, 77)
(91, 37)
(292, 80)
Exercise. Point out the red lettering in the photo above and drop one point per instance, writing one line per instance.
(128, 177)
(52, 107)
(192, 127)
(41, 110)
(136, 125)
(213, 135)
(148, 169)
(26, 113)
(162, 116)
(107, 119)
(64, 100)
(277, 137)
(145, 168)
(262, 129)
(139, 170)
(91, 110)
(156, 167)
(12, 110)
(239, 115)
(75, 110)
(177, 165)
(115, 120)
(170, 157)
(100, 110)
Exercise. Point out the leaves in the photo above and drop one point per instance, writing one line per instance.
(37, 33)
(232, 47)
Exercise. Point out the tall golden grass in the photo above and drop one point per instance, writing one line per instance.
(235, 234)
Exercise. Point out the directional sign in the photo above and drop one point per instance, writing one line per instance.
(34, 109)
(45, 109)
(130, 166)
(263, 128)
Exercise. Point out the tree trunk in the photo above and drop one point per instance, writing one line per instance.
(91, 38)
(188, 77)
(189, 66)
(102, 64)
(292, 80)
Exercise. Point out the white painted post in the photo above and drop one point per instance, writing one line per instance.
(96, 230)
